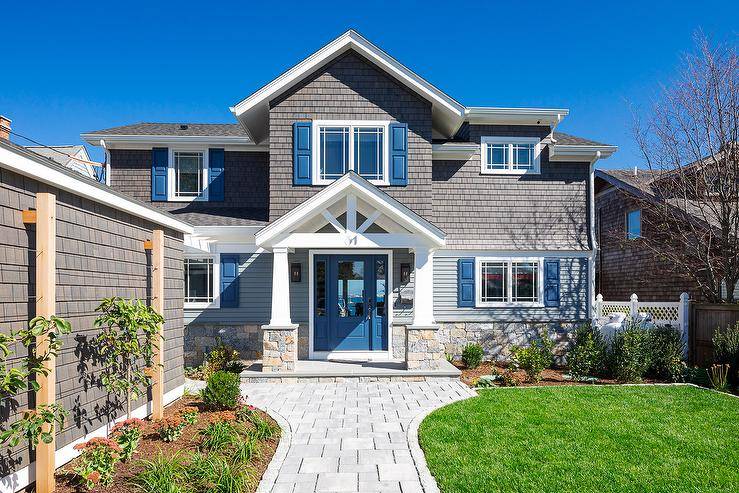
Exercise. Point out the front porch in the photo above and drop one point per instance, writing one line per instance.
(349, 232)
(321, 371)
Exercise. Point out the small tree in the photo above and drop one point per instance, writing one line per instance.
(126, 340)
(691, 145)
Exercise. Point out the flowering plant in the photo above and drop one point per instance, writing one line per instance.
(170, 428)
(189, 415)
(245, 413)
(97, 462)
(127, 434)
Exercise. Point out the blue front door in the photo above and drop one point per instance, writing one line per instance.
(350, 310)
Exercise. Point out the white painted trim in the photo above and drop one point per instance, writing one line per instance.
(514, 253)
(481, 115)
(216, 287)
(20, 479)
(350, 182)
(453, 151)
(351, 165)
(115, 140)
(588, 153)
(535, 168)
(171, 174)
(337, 240)
(78, 186)
(509, 278)
(388, 302)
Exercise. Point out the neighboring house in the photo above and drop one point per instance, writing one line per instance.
(354, 210)
(624, 266)
(74, 157)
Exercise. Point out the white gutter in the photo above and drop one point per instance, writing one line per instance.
(515, 116)
(78, 186)
(94, 139)
(593, 239)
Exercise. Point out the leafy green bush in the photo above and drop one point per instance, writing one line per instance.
(222, 358)
(263, 429)
(219, 435)
(170, 428)
(222, 391)
(697, 376)
(719, 376)
(127, 435)
(630, 355)
(534, 358)
(666, 349)
(472, 355)
(588, 355)
(97, 462)
(726, 350)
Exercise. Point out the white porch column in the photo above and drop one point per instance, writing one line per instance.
(280, 289)
(280, 337)
(423, 294)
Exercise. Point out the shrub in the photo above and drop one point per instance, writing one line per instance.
(222, 358)
(666, 349)
(472, 355)
(162, 475)
(719, 376)
(534, 358)
(698, 376)
(726, 350)
(508, 379)
(218, 436)
(630, 353)
(588, 355)
(97, 462)
(127, 435)
(189, 415)
(222, 391)
(170, 429)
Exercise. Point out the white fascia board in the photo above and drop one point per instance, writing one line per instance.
(451, 150)
(112, 141)
(37, 171)
(515, 116)
(365, 190)
(566, 152)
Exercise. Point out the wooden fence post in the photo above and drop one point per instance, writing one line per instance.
(157, 302)
(46, 307)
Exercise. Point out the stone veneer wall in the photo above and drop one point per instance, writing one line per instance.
(496, 338)
(280, 349)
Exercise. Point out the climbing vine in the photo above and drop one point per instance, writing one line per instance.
(16, 379)
(124, 323)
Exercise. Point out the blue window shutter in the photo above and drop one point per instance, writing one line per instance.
(216, 177)
(229, 280)
(398, 154)
(159, 166)
(302, 153)
(466, 282)
(551, 283)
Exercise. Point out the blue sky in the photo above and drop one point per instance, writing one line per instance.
(73, 67)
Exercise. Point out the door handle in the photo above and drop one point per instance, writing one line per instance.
(369, 308)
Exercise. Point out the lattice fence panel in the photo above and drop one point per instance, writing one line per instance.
(616, 307)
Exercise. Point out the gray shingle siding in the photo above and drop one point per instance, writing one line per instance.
(99, 254)
(349, 88)
(573, 296)
(246, 194)
(547, 211)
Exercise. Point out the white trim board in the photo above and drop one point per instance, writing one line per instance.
(78, 186)
(389, 302)
(20, 479)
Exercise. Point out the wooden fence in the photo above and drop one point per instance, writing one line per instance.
(705, 318)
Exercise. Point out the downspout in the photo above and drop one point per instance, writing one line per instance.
(107, 162)
(593, 240)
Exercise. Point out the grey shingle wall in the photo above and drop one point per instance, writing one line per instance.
(99, 254)
(246, 194)
(349, 88)
(531, 212)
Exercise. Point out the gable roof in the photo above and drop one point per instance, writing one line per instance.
(189, 129)
(253, 110)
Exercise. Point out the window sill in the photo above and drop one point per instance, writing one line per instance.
(514, 172)
(377, 183)
(200, 305)
(505, 304)
(187, 199)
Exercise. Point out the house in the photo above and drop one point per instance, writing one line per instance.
(74, 157)
(356, 211)
(624, 265)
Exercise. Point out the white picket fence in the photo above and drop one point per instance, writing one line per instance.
(674, 313)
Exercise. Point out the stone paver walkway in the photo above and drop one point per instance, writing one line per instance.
(351, 436)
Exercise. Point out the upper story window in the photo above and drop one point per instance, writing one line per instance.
(188, 175)
(343, 146)
(506, 282)
(633, 224)
(509, 155)
(200, 282)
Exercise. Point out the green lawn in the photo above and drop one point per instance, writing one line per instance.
(586, 439)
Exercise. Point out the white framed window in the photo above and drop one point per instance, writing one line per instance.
(202, 282)
(341, 146)
(510, 155)
(633, 224)
(503, 282)
(188, 175)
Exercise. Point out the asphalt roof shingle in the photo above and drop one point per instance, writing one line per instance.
(187, 129)
(567, 139)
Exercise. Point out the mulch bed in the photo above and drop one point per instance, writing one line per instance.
(151, 445)
(548, 377)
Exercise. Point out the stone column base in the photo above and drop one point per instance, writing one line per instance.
(423, 350)
(280, 348)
